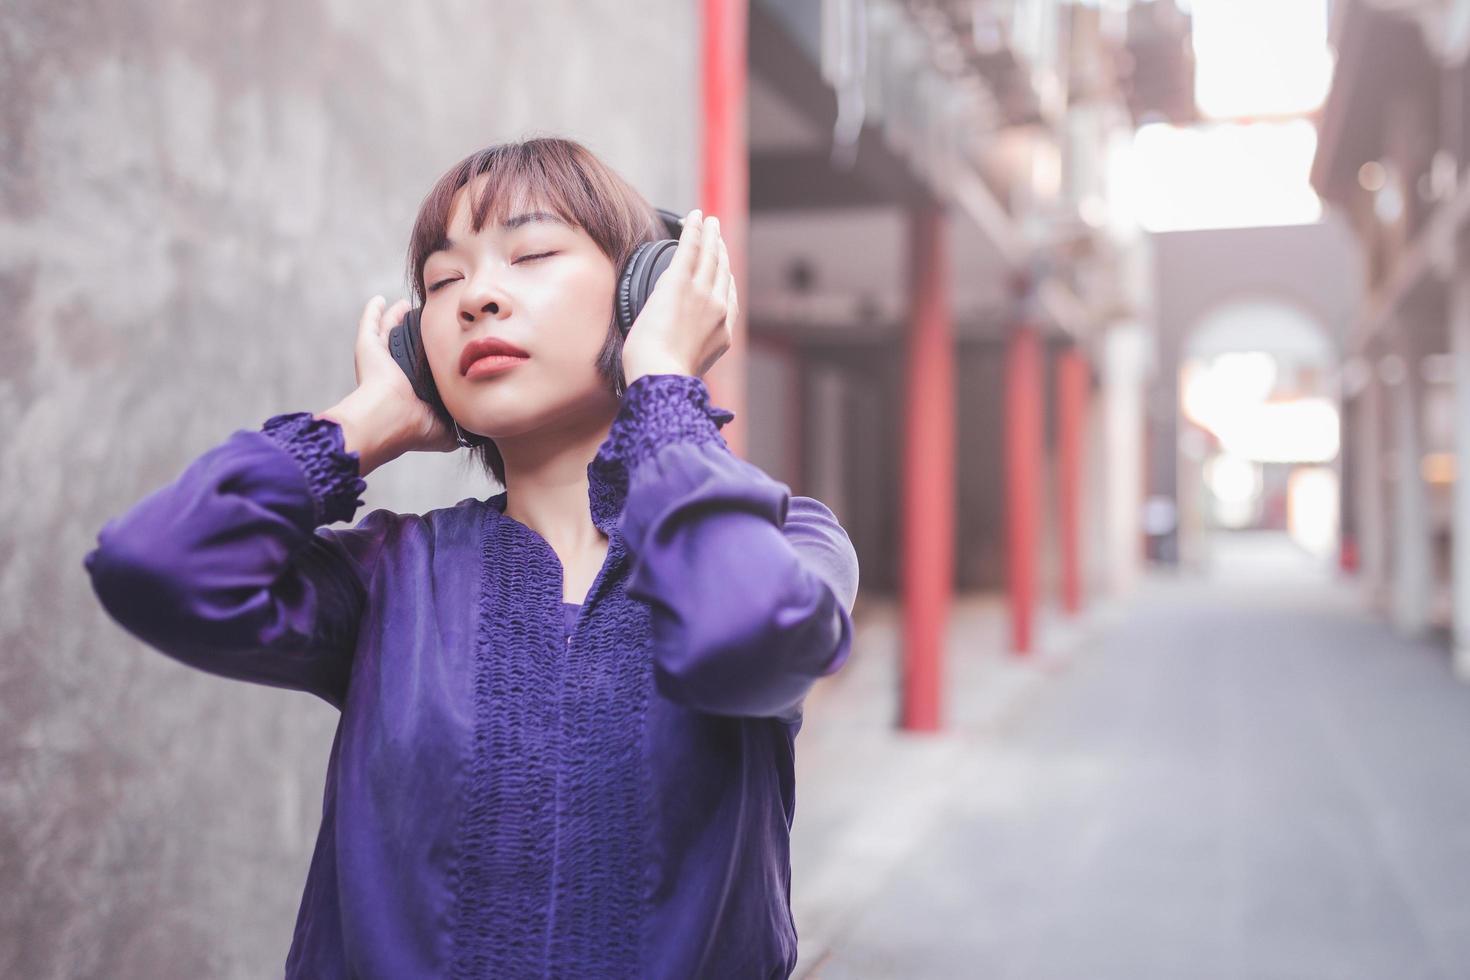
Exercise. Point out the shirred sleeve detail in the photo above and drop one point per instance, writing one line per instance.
(750, 588)
(332, 473)
(227, 570)
(661, 408)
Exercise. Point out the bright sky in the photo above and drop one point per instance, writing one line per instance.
(1254, 59)
(1260, 57)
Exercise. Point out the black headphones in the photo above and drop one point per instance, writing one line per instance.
(635, 283)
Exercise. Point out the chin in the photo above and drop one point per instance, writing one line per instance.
(495, 417)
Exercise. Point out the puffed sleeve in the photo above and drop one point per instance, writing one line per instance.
(751, 589)
(227, 569)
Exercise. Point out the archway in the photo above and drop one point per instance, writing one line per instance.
(1259, 460)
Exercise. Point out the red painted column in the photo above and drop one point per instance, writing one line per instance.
(725, 186)
(1073, 388)
(1023, 437)
(928, 472)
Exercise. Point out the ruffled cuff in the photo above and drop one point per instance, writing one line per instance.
(332, 473)
(659, 409)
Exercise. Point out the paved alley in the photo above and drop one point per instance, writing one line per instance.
(1238, 777)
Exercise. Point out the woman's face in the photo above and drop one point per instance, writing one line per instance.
(536, 282)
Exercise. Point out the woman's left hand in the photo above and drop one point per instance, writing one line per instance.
(685, 327)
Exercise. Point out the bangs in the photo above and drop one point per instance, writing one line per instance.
(554, 175)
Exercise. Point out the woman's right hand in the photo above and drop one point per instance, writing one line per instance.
(384, 417)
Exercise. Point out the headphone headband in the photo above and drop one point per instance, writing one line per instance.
(673, 223)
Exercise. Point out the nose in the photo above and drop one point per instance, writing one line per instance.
(491, 308)
(483, 297)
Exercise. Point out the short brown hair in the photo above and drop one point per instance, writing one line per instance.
(563, 175)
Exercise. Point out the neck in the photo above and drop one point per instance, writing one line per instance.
(547, 486)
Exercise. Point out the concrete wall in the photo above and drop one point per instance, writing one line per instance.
(197, 200)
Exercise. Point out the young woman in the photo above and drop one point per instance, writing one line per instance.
(568, 708)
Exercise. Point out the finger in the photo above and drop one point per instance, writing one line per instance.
(722, 270)
(709, 251)
(687, 252)
(393, 316)
(732, 305)
(371, 314)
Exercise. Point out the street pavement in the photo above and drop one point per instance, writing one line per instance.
(1238, 774)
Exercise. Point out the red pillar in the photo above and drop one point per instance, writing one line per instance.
(928, 471)
(1023, 425)
(1073, 385)
(725, 186)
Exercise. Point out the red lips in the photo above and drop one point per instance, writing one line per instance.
(484, 347)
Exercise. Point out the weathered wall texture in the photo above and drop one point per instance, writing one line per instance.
(197, 199)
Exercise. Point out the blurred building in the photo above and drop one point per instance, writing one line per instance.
(945, 298)
(1254, 285)
(1392, 158)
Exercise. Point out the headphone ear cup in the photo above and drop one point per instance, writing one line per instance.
(406, 344)
(645, 265)
(626, 313)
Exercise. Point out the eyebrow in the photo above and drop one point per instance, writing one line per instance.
(447, 244)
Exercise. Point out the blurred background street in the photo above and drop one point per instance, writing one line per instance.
(1129, 340)
(1236, 775)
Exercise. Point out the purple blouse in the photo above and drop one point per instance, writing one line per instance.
(518, 786)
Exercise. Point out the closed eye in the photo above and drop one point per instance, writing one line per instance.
(523, 258)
